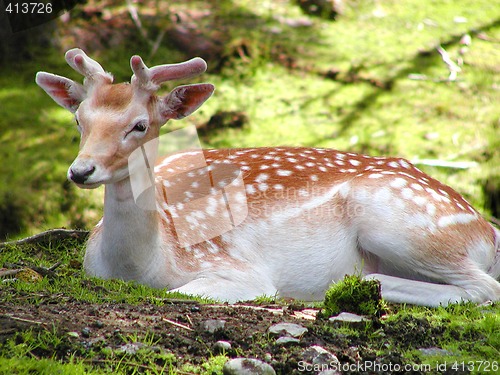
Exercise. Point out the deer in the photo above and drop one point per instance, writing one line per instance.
(301, 219)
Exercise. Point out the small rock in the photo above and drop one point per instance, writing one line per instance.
(329, 372)
(222, 346)
(435, 351)
(130, 348)
(268, 357)
(247, 366)
(319, 357)
(287, 329)
(28, 275)
(86, 332)
(95, 340)
(98, 324)
(352, 319)
(212, 325)
(287, 340)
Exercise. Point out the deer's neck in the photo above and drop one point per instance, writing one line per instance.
(131, 243)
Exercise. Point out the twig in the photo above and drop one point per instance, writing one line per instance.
(46, 271)
(9, 272)
(137, 21)
(48, 236)
(157, 43)
(22, 320)
(495, 221)
(177, 324)
(452, 66)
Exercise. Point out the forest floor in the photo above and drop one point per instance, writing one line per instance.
(54, 318)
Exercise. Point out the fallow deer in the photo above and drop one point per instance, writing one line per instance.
(302, 217)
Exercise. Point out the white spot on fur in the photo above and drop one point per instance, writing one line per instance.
(407, 193)
(354, 162)
(283, 172)
(431, 209)
(417, 187)
(250, 189)
(419, 200)
(404, 163)
(262, 186)
(262, 177)
(460, 218)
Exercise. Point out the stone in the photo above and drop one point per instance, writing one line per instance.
(287, 329)
(86, 332)
(329, 372)
(318, 357)
(212, 325)
(435, 351)
(349, 318)
(222, 346)
(247, 366)
(130, 348)
(287, 340)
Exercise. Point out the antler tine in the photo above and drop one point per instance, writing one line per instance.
(86, 66)
(151, 78)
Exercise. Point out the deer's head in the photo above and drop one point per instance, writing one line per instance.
(116, 119)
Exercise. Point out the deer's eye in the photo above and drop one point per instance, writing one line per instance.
(140, 126)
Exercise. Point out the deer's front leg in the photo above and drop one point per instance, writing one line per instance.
(229, 286)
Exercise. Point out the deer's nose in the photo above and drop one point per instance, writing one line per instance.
(81, 172)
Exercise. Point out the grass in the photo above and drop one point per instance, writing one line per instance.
(463, 333)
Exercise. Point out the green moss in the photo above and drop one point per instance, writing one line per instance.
(353, 294)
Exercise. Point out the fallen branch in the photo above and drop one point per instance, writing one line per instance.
(495, 221)
(177, 324)
(9, 316)
(452, 66)
(6, 273)
(48, 236)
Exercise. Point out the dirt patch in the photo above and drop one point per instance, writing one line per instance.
(178, 329)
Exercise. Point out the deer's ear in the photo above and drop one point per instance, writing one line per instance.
(184, 100)
(64, 91)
